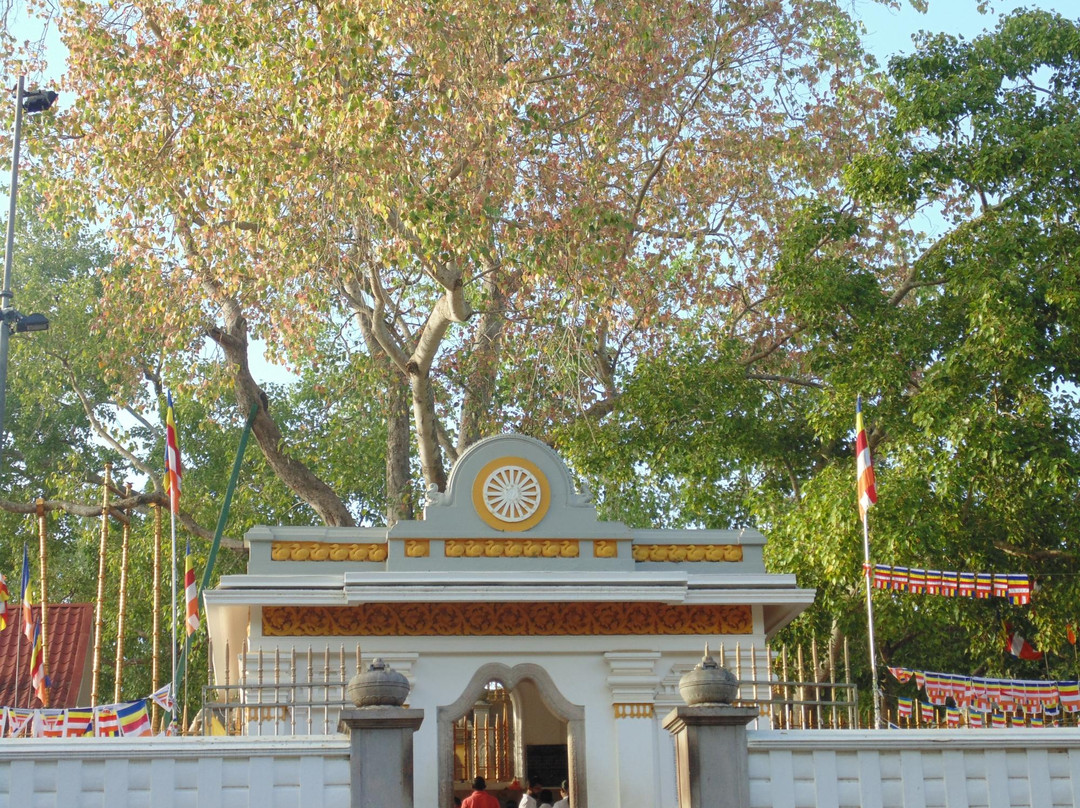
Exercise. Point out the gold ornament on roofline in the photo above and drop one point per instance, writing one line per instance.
(688, 552)
(506, 619)
(326, 551)
(511, 548)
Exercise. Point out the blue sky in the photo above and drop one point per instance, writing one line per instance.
(889, 31)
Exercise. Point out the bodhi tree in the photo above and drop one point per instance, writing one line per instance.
(493, 211)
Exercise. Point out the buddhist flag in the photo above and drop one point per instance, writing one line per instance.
(1019, 647)
(49, 723)
(904, 707)
(106, 722)
(173, 471)
(162, 697)
(79, 723)
(191, 593)
(19, 720)
(5, 596)
(864, 465)
(37, 665)
(134, 720)
(25, 596)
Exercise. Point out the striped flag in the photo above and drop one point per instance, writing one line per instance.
(19, 721)
(5, 596)
(27, 599)
(1016, 645)
(864, 465)
(173, 472)
(37, 665)
(191, 593)
(134, 720)
(79, 722)
(162, 697)
(106, 722)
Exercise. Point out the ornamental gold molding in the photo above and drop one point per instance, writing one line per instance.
(633, 710)
(605, 548)
(417, 548)
(510, 548)
(326, 551)
(505, 619)
(688, 552)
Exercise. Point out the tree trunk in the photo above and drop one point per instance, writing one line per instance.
(476, 405)
(400, 503)
(294, 474)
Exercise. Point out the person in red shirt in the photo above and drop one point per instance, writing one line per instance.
(480, 798)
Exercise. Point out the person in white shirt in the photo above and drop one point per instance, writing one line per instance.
(564, 791)
(545, 798)
(528, 799)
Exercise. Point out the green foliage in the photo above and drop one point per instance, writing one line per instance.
(964, 347)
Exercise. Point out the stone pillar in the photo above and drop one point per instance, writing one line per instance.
(712, 766)
(381, 755)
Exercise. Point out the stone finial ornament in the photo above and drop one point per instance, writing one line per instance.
(708, 683)
(378, 686)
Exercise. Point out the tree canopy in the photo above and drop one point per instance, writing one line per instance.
(673, 241)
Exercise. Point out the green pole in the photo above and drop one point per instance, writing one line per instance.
(211, 559)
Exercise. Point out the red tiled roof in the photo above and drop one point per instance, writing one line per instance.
(69, 635)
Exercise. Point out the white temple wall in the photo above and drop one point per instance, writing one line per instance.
(1006, 768)
(166, 772)
(982, 768)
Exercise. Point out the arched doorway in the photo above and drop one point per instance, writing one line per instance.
(523, 677)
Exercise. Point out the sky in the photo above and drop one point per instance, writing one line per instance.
(889, 31)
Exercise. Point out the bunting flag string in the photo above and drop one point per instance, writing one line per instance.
(986, 694)
(1016, 587)
(128, 719)
(914, 712)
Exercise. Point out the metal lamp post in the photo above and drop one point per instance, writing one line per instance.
(10, 319)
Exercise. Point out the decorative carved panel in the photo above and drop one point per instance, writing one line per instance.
(688, 552)
(511, 548)
(504, 619)
(326, 551)
(633, 710)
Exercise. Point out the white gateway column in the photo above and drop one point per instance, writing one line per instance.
(633, 682)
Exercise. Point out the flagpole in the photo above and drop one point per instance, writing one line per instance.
(870, 623)
(866, 492)
(174, 495)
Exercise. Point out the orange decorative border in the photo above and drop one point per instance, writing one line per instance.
(510, 548)
(688, 552)
(505, 619)
(325, 551)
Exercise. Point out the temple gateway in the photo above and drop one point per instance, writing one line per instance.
(538, 640)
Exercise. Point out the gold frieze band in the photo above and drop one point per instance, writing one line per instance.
(510, 548)
(326, 551)
(633, 711)
(687, 552)
(505, 619)
(417, 548)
